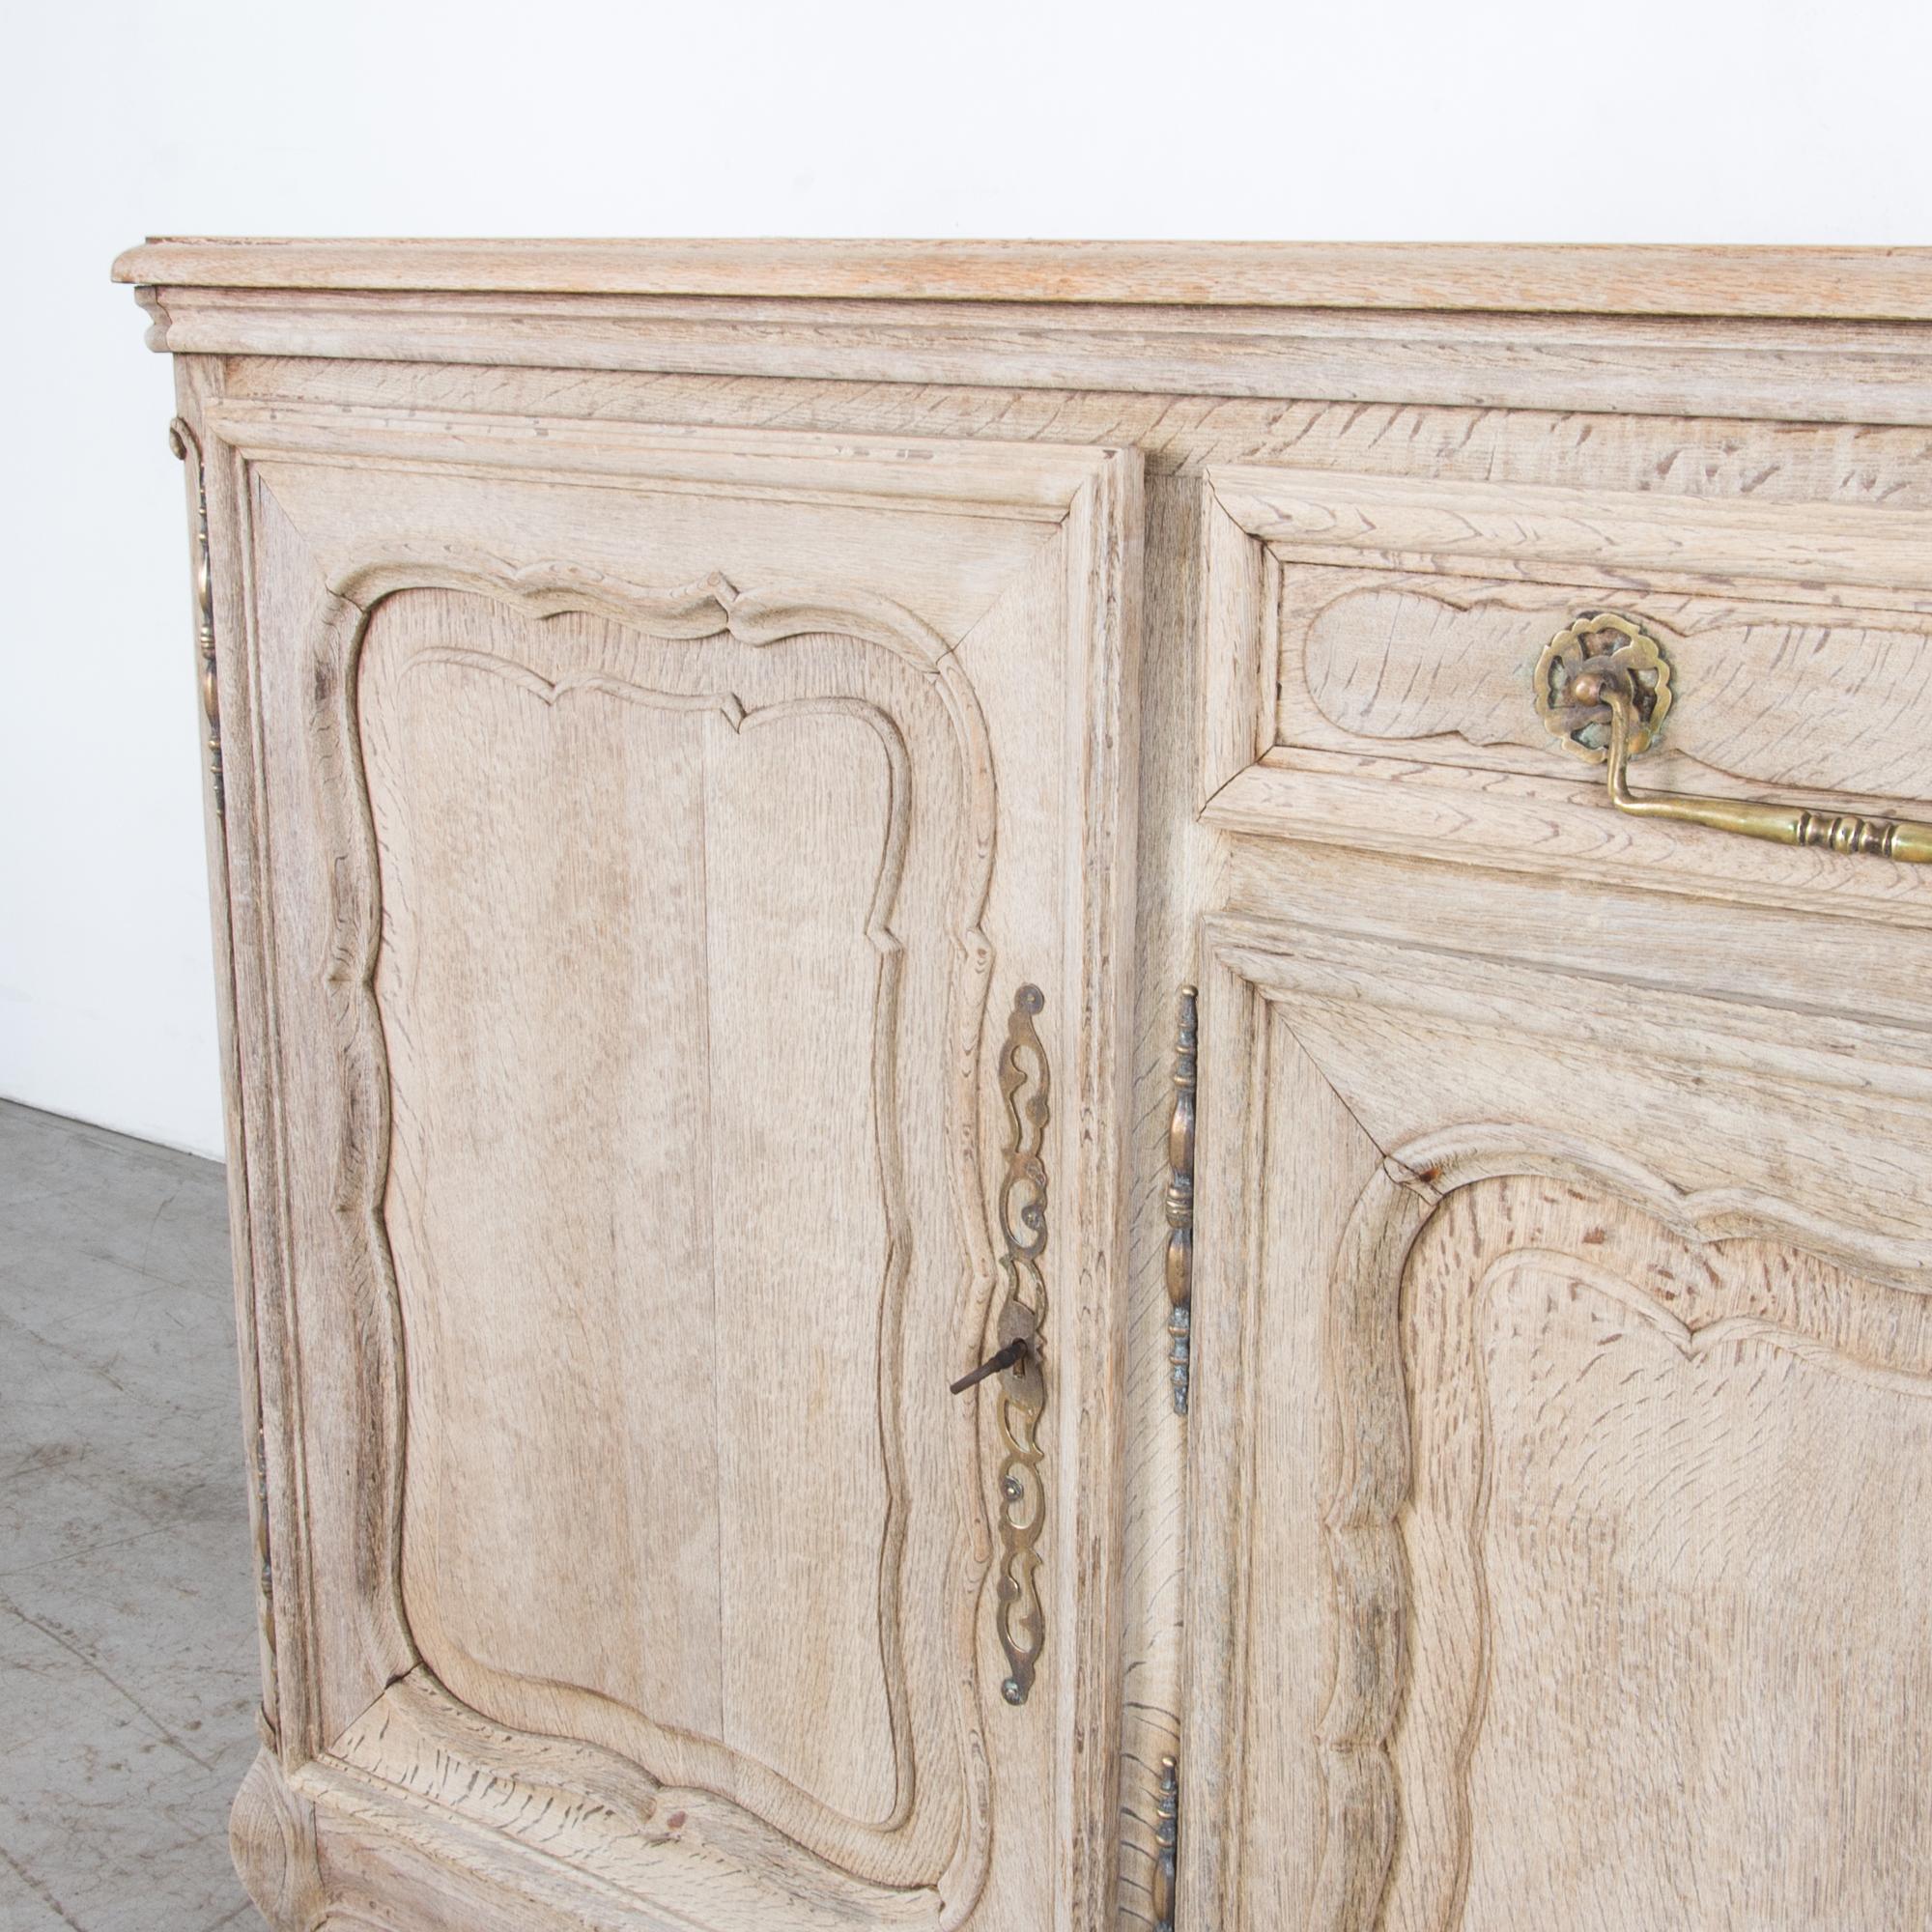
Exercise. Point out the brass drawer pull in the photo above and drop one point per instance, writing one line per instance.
(1578, 682)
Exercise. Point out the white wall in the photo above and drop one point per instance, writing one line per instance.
(1531, 120)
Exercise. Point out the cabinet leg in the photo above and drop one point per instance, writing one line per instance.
(272, 1840)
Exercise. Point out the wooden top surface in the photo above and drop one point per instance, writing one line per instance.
(1848, 284)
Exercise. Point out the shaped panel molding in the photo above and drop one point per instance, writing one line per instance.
(1509, 1375)
(1369, 643)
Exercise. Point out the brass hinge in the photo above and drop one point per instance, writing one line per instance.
(181, 439)
(1167, 1843)
(267, 1717)
(1180, 1206)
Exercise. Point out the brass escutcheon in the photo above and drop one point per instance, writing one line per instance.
(1597, 642)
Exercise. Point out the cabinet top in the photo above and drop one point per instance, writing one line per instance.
(1851, 284)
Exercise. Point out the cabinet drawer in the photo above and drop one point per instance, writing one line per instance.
(1373, 649)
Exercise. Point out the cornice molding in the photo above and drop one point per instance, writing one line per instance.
(1795, 371)
(1866, 284)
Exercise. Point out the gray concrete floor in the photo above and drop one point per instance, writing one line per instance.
(127, 1660)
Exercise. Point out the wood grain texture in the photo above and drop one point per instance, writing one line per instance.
(1171, 856)
(1378, 636)
(1852, 458)
(272, 1838)
(767, 1456)
(1652, 539)
(511, 1100)
(193, 382)
(1601, 365)
(552, 608)
(1643, 1529)
(591, 1816)
(1623, 932)
(1494, 1244)
(1864, 283)
(1545, 828)
(1773, 694)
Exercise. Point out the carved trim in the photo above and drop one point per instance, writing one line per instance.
(272, 1840)
(342, 1648)
(186, 446)
(1784, 371)
(1460, 1156)
(1516, 279)
(805, 466)
(740, 719)
(1181, 1203)
(1023, 1069)
(1515, 812)
(1258, 982)
(1454, 684)
(707, 607)
(1514, 529)
(1371, 1472)
(1469, 1356)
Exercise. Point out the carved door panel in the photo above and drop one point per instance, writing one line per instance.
(685, 1042)
(1562, 1400)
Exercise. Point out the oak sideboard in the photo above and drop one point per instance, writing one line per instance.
(1074, 1086)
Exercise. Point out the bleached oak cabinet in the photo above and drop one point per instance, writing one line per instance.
(1303, 867)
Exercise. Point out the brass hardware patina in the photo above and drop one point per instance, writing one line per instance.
(1022, 1381)
(1181, 1204)
(1610, 703)
(1599, 641)
(1604, 687)
(181, 439)
(267, 1715)
(1167, 1842)
(1781, 824)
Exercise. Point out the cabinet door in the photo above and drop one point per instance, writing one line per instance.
(681, 882)
(1563, 1454)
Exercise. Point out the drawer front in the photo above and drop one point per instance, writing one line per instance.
(1373, 650)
